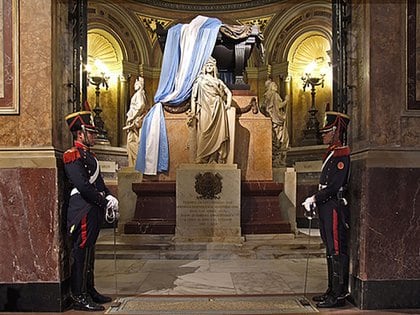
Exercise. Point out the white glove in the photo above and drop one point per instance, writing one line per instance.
(111, 212)
(310, 206)
(309, 203)
(112, 202)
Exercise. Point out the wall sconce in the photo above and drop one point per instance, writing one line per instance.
(98, 78)
(311, 134)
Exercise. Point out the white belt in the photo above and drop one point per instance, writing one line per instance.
(74, 191)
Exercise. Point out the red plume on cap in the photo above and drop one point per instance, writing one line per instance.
(86, 106)
(335, 119)
(80, 120)
(327, 107)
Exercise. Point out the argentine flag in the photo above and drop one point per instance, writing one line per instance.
(187, 49)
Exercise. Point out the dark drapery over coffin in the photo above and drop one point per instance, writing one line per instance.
(232, 50)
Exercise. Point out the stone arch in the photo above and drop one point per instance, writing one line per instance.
(130, 35)
(292, 41)
(309, 47)
(283, 31)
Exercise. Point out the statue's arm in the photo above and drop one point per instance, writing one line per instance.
(280, 103)
(194, 98)
(228, 95)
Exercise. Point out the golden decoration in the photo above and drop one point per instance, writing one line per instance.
(151, 23)
(99, 47)
(261, 21)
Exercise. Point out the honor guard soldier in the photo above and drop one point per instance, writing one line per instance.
(90, 201)
(333, 209)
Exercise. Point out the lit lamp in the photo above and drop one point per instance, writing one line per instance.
(98, 79)
(311, 134)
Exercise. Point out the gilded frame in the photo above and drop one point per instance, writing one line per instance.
(9, 61)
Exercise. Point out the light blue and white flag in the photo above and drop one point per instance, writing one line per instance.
(187, 49)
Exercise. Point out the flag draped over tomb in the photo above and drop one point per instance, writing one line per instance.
(187, 49)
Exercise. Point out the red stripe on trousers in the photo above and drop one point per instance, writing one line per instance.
(83, 231)
(335, 232)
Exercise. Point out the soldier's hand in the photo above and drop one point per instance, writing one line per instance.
(310, 206)
(111, 212)
(112, 202)
(309, 203)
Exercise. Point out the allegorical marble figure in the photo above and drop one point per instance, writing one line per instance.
(210, 100)
(274, 107)
(135, 115)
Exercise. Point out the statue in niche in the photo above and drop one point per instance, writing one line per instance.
(274, 107)
(135, 115)
(208, 118)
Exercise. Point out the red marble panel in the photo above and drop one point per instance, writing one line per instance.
(156, 208)
(29, 225)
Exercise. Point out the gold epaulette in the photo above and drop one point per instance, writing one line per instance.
(71, 155)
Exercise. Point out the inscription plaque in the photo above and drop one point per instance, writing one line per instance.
(208, 203)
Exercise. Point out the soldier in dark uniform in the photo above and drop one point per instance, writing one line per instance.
(89, 201)
(333, 210)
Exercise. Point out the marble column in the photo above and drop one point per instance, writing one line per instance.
(34, 256)
(385, 176)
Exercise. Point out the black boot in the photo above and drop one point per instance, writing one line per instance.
(323, 297)
(344, 259)
(90, 282)
(99, 298)
(83, 302)
(337, 289)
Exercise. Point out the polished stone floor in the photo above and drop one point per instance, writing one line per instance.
(271, 264)
(265, 264)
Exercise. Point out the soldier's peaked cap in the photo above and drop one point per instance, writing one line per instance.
(76, 120)
(335, 119)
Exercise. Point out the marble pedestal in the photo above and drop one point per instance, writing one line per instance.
(126, 196)
(208, 203)
(259, 198)
(155, 208)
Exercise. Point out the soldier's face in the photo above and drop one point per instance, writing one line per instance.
(327, 137)
(91, 137)
(87, 138)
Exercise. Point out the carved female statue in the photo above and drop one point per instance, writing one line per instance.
(138, 109)
(210, 100)
(275, 108)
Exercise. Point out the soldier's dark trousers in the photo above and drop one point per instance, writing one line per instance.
(78, 271)
(84, 235)
(333, 228)
(90, 280)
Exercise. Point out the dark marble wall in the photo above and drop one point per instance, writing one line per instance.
(385, 238)
(385, 178)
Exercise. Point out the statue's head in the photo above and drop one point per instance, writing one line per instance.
(210, 67)
(273, 86)
(139, 83)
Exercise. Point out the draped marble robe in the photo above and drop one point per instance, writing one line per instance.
(210, 100)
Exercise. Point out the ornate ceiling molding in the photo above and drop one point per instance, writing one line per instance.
(151, 23)
(308, 49)
(215, 5)
(261, 21)
(99, 47)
